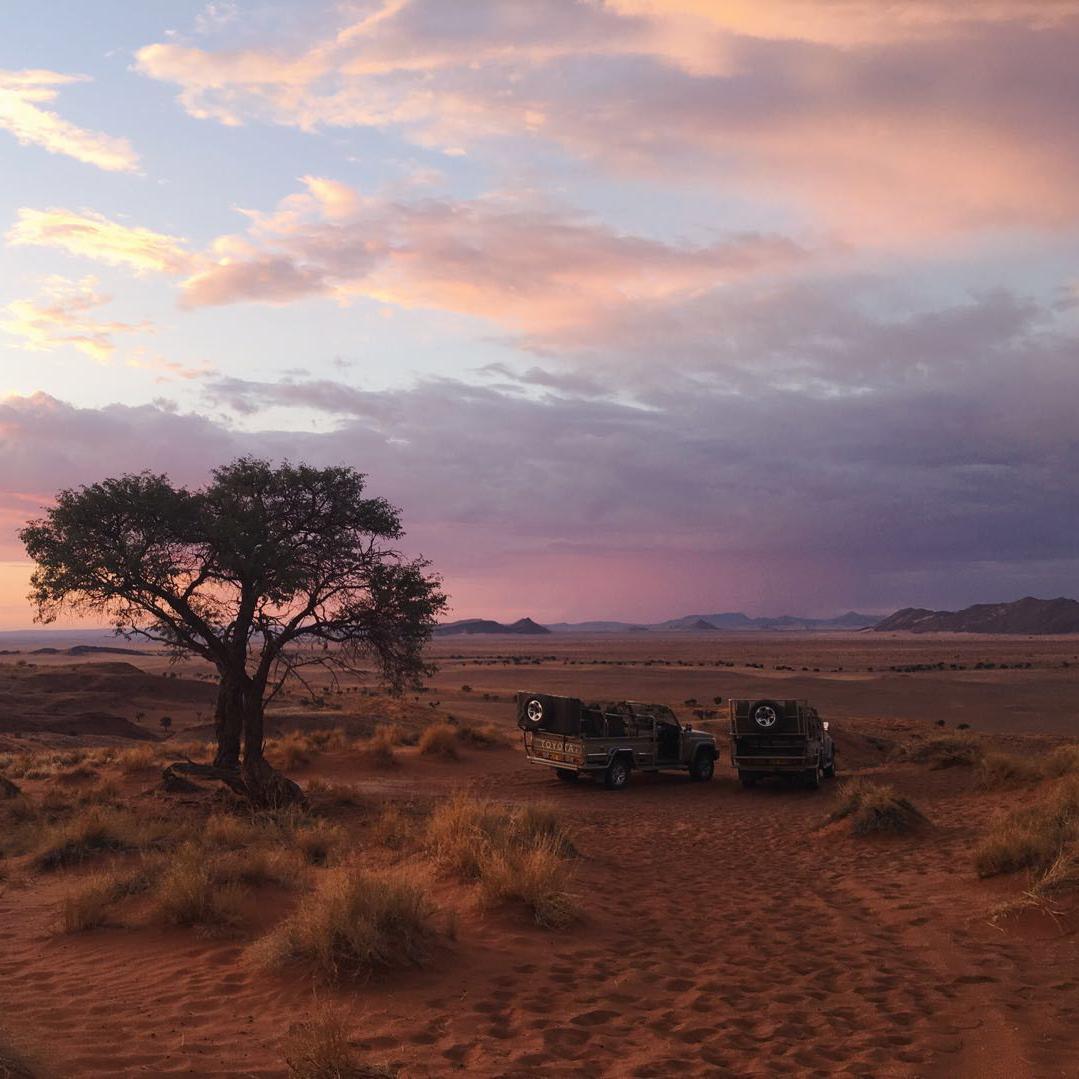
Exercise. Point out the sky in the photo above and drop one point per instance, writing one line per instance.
(635, 308)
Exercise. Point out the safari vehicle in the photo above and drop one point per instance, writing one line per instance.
(780, 738)
(610, 741)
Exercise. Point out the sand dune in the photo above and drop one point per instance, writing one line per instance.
(724, 932)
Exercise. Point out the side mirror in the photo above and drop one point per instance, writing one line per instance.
(825, 724)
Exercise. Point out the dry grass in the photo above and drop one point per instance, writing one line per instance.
(440, 740)
(319, 1048)
(482, 735)
(874, 808)
(996, 771)
(290, 751)
(323, 795)
(515, 854)
(378, 749)
(357, 925)
(945, 751)
(1062, 761)
(140, 758)
(1033, 836)
(190, 893)
(100, 830)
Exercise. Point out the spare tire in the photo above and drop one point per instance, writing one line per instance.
(533, 712)
(766, 715)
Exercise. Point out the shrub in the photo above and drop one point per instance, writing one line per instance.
(537, 877)
(99, 830)
(945, 751)
(440, 740)
(485, 735)
(318, 1048)
(874, 808)
(188, 893)
(87, 908)
(136, 759)
(514, 854)
(290, 751)
(996, 770)
(1062, 761)
(379, 749)
(1033, 836)
(357, 925)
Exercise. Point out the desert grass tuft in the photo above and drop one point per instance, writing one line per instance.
(440, 740)
(874, 808)
(945, 751)
(378, 750)
(137, 759)
(356, 926)
(1035, 835)
(513, 853)
(188, 893)
(481, 735)
(319, 1048)
(100, 830)
(996, 771)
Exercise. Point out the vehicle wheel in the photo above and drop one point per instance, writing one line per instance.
(829, 769)
(747, 779)
(814, 776)
(566, 776)
(617, 774)
(766, 715)
(703, 767)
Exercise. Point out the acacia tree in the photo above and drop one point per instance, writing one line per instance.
(264, 572)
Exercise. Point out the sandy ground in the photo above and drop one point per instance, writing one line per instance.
(725, 931)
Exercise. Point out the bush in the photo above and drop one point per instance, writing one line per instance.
(290, 751)
(318, 1048)
(379, 749)
(996, 770)
(1062, 761)
(945, 751)
(136, 759)
(357, 925)
(1033, 836)
(189, 893)
(484, 736)
(874, 808)
(514, 854)
(440, 740)
(98, 831)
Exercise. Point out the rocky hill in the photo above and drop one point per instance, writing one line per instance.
(487, 625)
(1027, 615)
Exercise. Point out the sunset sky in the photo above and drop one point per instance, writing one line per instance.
(636, 309)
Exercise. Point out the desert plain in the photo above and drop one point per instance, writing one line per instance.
(673, 928)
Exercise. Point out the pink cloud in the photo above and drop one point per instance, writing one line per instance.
(890, 122)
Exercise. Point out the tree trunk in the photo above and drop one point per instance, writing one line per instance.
(229, 721)
(265, 786)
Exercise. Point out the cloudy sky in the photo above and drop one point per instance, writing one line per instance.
(635, 307)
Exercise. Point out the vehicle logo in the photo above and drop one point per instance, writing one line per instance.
(765, 716)
(535, 711)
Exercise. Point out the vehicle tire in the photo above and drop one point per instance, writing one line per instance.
(534, 713)
(617, 775)
(565, 775)
(703, 766)
(829, 769)
(813, 776)
(747, 779)
(766, 715)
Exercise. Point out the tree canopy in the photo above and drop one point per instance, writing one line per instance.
(264, 572)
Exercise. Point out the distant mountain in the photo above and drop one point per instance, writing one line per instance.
(486, 625)
(1024, 616)
(728, 620)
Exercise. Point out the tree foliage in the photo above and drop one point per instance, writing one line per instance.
(264, 572)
